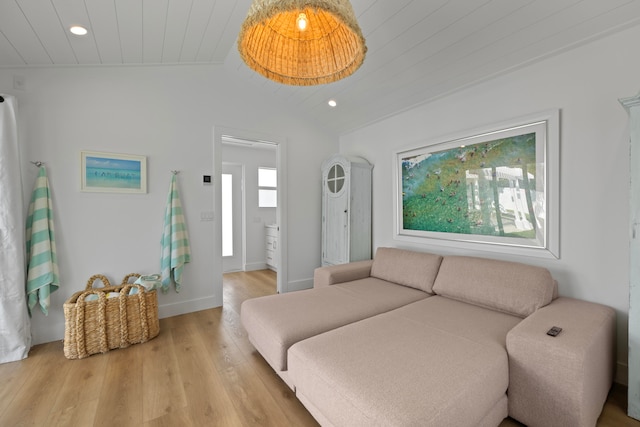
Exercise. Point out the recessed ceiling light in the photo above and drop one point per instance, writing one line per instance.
(332, 103)
(78, 30)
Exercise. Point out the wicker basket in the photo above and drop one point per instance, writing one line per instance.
(107, 323)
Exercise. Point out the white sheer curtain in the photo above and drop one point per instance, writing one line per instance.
(15, 326)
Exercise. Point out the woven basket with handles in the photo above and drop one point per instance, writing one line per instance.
(104, 324)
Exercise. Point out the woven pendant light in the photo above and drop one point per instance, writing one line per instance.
(274, 43)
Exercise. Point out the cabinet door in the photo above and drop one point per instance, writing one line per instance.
(633, 395)
(335, 215)
(271, 246)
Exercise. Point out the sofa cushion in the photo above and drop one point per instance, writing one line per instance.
(436, 362)
(510, 287)
(408, 268)
(469, 321)
(276, 322)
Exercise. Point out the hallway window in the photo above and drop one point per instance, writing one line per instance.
(267, 188)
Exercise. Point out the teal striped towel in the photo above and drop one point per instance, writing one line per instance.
(42, 263)
(175, 241)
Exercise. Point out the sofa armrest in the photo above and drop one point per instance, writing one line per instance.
(562, 380)
(332, 274)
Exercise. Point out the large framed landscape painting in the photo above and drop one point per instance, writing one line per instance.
(495, 187)
(112, 173)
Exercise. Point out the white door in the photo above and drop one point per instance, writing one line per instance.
(232, 218)
(335, 215)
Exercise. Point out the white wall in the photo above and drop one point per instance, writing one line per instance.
(585, 84)
(256, 217)
(167, 114)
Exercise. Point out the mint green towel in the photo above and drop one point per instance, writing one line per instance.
(42, 264)
(175, 241)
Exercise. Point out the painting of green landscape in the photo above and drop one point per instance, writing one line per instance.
(488, 188)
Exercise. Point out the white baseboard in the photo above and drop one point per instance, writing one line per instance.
(299, 285)
(54, 331)
(253, 266)
(184, 307)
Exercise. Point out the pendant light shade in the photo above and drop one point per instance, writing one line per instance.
(302, 42)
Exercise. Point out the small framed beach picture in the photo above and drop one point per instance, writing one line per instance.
(112, 173)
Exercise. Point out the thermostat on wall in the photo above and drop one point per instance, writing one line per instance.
(206, 179)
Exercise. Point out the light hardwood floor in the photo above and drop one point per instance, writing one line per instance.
(200, 371)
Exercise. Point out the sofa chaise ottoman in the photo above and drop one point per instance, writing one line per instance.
(276, 322)
(437, 362)
(461, 356)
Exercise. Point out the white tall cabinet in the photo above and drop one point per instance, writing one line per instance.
(633, 394)
(346, 210)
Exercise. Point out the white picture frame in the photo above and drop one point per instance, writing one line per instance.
(494, 188)
(102, 172)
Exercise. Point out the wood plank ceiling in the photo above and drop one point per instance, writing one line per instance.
(419, 50)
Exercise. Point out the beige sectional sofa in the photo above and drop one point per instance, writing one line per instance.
(417, 339)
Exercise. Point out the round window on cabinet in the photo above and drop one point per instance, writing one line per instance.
(335, 178)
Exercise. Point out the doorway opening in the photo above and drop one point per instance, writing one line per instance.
(248, 211)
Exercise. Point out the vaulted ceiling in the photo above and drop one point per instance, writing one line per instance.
(418, 50)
